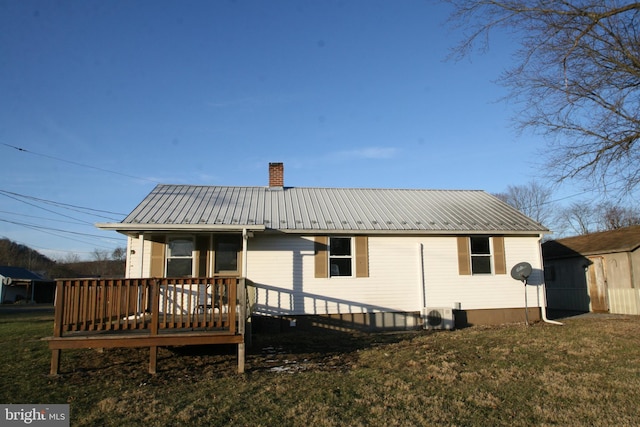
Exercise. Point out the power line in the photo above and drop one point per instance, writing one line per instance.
(62, 205)
(47, 249)
(548, 202)
(64, 237)
(79, 164)
(40, 227)
(44, 209)
(45, 218)
(56, 231)
(15, 196)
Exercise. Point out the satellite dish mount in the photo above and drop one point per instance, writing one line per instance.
(522, 271)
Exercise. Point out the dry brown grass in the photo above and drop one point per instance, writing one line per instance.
(584, 373)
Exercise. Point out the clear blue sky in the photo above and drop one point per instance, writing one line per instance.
(349, 93)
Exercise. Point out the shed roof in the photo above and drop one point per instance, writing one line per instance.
(19, 273)
(625, 239)
(337, 210)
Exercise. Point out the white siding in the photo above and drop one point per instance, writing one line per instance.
(445, 286)
(282, 267)
(283, 270)
(138, 262)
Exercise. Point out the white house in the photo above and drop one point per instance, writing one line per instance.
(342, 256)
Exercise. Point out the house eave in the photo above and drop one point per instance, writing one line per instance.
(414, 232)
(139, 228)
(127, 228)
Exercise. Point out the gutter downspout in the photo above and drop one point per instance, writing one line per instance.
(543, 306)
(423, 291)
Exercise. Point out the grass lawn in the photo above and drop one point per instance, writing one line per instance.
(586, 372)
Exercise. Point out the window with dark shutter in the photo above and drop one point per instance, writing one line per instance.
(341, 256)
(481, 255)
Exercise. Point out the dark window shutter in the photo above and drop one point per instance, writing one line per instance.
(321, 257)
(464, 258)
(362, 256)
(499, 259)
(157, 259)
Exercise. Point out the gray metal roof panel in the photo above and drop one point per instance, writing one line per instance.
(341, 209)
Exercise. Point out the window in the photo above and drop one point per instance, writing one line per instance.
(356, 248)
(180, 257)
(480, 255)
(340, 256)
(227, 252)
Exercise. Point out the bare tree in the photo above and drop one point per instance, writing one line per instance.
(101, 264)
(577, 79)
(586, 217)
(576, 219)
(532, 199)
(100, 255)
(119, 254)
(70, 258)
(614, 217)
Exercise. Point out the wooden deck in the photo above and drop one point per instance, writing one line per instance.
(107, 313)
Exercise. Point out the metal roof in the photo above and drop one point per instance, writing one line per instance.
(338, 210)
(19, 273)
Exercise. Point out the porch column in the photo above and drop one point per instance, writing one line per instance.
(141, 257)
(245, 239)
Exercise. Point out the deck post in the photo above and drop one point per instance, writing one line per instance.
(153, 359)
(155, 320)
(55, 362)
(242, 299)
(57, 326)
(241, 358)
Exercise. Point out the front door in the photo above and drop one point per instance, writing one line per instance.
(597, 283)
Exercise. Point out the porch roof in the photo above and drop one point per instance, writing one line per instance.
(329, 210)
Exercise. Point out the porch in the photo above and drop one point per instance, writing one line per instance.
(149, 312)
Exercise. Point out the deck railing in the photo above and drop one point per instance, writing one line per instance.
(88, 305)
(148, 311)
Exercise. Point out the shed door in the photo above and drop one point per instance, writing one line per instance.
(597, 282)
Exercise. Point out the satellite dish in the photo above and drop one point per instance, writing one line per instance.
(521, 271)
(7, 281)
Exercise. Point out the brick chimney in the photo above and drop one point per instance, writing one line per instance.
(276, 175)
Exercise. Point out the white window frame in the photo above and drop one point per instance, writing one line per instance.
(169, 256)
(489, 255)
(351, 256)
